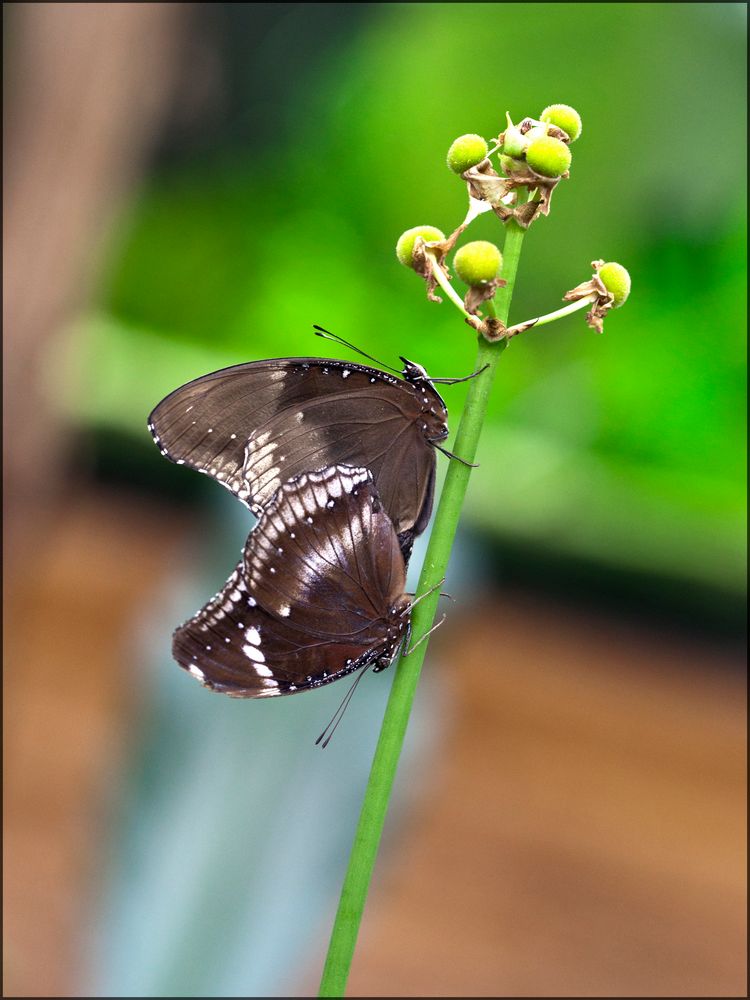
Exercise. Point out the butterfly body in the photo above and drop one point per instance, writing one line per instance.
(318, 594)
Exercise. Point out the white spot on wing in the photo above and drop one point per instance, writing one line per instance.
(320, 493)
(254, 654)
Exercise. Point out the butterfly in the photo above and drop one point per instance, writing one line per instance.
(318, 593)
(256, 425)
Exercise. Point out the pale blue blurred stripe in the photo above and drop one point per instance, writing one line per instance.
(236, 829)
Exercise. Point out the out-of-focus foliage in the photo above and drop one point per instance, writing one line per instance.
(626, 448)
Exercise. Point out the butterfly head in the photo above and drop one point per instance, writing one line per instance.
(434, 414)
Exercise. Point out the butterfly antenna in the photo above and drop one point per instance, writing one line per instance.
(338, 715)
(425, 636)
(454, 381)
(471, 465)
(443, 593)
(327, 335)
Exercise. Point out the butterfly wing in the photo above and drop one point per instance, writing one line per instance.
(205, 423)
(324, 554)
(406, 537)
(319, 593)
(256, 425)
(373, 427)
(235, 647)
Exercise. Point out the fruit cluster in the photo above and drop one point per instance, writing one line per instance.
(533, 155)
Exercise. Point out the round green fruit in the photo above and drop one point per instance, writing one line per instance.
(564, 117)
(466, 152)
(616, 280)
(478, 262)
(548, 157)
(405, 245)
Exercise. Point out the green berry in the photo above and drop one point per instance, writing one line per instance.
(405, 245)
(616, 280)
(478, 262)
(466, 152)
(564, 117)
(548, 157)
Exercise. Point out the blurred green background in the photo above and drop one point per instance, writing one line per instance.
(621, 455)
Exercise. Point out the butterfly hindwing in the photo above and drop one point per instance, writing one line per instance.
(324, 554)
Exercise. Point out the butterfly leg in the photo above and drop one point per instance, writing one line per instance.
(425, 636)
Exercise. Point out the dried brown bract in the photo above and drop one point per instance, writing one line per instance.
(601, 305)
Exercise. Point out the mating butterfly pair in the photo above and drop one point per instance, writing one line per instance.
(338, 462)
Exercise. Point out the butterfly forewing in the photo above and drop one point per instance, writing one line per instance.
(205, 423)
(375, 427)
(331, 601)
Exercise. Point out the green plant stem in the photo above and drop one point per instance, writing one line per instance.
(443, 280)
(489, 307)
(390, 742)
(559, 313)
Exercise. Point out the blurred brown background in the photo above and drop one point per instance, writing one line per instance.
(578, 828)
